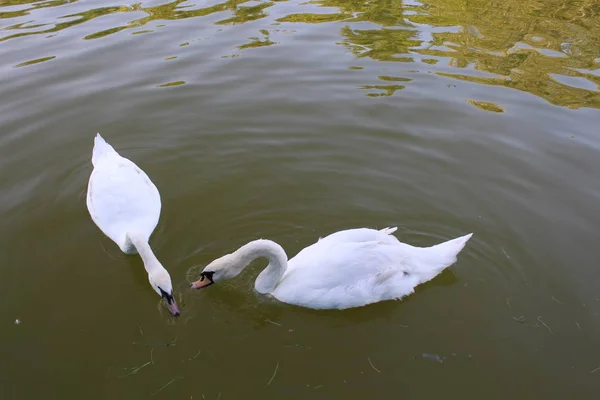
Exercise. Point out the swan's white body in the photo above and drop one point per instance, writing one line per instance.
(350, 268)
(125, 204)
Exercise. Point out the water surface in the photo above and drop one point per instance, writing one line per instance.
(289, 120)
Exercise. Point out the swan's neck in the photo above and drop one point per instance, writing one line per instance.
(269, 278)
(151, 263)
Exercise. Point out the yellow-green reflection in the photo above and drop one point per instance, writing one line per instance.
(520, 43)
(385, 90)
(486, 106)
(549, 48)
(312, 18)
(245, 14)
(176, 83)
(258, 42)
(170, 11)
(36, 61)
(380, 44)
(35, 4)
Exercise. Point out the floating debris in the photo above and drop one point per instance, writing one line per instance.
(17, 321)
(299, 346)
(433, 357)
(372, 366)
(539, 318)
(167, 384)
(274, 373)
(135, 370)
(192, 358)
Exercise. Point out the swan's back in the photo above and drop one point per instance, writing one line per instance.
(121, 198)
(383, 236)
(356, 267)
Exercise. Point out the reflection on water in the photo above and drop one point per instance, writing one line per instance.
(486, 105)
(36, 61)
(170, 11)
(386, 90)
(177, 83)
(258, 42)
(547, 48)
(520, 44)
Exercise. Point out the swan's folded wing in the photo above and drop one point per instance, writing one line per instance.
(121, 197)
(341, 275)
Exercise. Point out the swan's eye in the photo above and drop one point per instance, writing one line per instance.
(206, 279)
(208, 275)
(166, 295)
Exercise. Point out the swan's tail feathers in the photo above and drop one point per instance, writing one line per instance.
(389, 230)
(100, 148)
(451, 248)
(443, 255)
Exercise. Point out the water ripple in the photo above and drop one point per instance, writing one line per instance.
(526, 46)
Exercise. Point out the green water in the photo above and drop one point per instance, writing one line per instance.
(290, 120)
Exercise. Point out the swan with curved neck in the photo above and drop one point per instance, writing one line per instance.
(125, 204)
(346, 269)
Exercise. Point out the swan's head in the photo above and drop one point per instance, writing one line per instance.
(161, 283)
(220, 269)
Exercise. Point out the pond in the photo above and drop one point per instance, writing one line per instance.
(290, 120)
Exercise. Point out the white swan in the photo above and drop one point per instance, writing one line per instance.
(350, 268)
(126, 205)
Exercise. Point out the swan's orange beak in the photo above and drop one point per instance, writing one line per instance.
(204, 281)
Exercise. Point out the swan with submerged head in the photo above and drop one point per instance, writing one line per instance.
(349, 268)
(125, 204)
